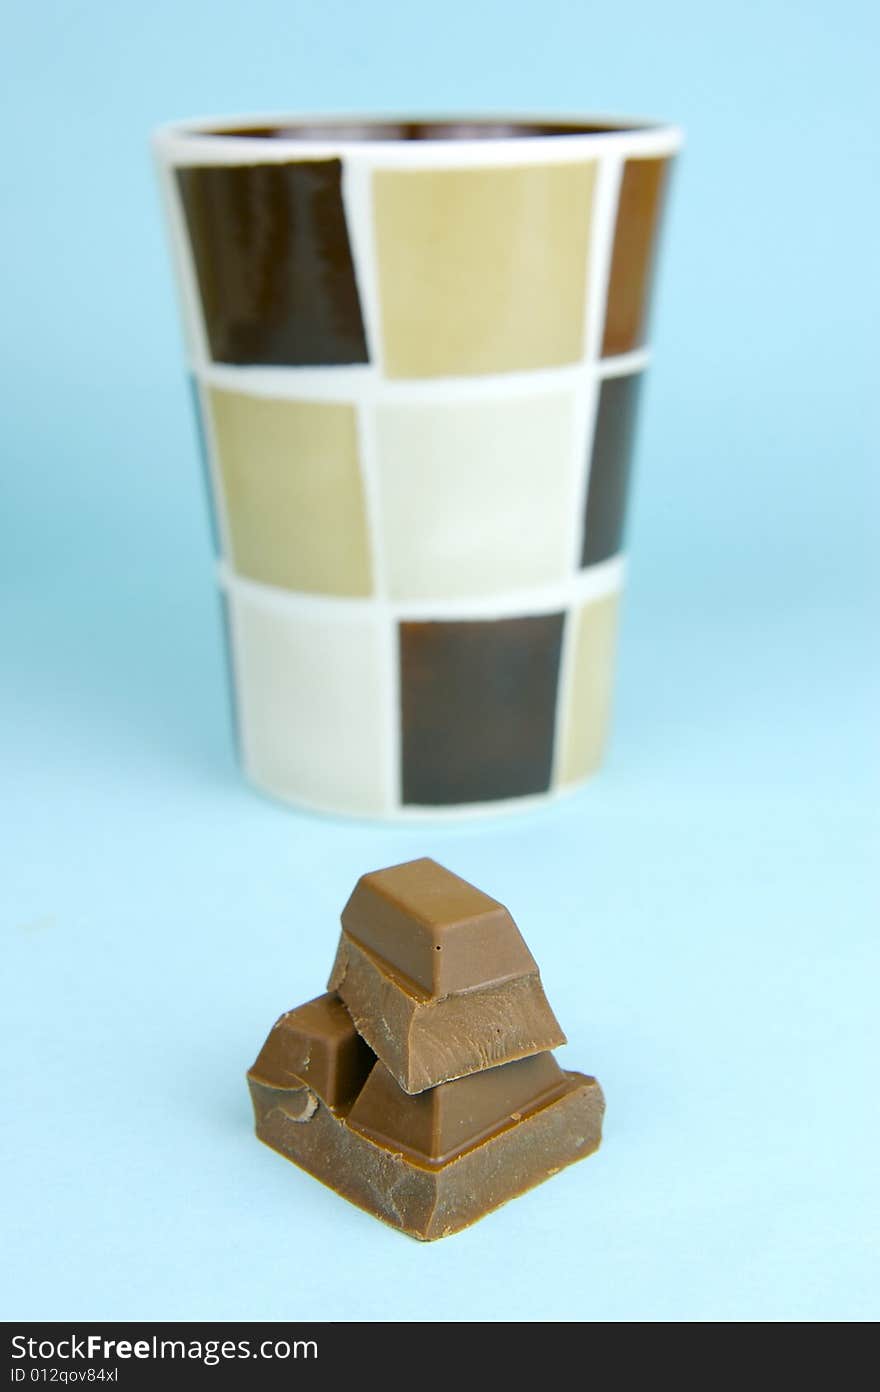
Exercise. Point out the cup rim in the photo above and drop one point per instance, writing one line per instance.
(223, 139)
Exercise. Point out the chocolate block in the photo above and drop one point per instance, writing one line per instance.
(435, 928)
(316, 1045)
(433, 1201)
(437, 978)
(448, 993)
(440, 1123)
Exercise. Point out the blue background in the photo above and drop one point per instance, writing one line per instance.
(704, 913)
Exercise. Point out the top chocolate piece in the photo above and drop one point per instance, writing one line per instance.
(435, 929)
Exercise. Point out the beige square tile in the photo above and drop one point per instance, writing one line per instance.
(475, 498)
(482, 270)
(312, 699)
(591, 676)
(292, 492)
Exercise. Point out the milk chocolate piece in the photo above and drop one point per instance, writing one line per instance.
(438, 1124)
(450, 991)
(437, 978)
(433, 1201)
(435, 928)
(316, 1045)
(423, 1042)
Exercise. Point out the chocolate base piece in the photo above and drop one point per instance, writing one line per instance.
(423, 1200)
(423, 1040)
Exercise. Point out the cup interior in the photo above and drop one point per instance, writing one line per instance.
(478, 128)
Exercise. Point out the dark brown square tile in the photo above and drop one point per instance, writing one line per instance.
(273, 261)
(478, 703)
(613, 440)
(639, 210)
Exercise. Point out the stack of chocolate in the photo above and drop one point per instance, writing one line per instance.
(422, 1086)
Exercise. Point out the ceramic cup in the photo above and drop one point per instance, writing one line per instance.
(417, 349)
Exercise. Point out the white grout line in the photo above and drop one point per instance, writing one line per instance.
(344, 383)
(625, 364)
(365, 383)
(297, 383)
(387, 633)
(357, 199)
(369, 470)
(609, 173)
(593, 583)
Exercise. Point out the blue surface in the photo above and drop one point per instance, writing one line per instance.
(705, 913)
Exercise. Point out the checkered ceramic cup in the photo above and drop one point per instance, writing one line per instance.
(417, 350)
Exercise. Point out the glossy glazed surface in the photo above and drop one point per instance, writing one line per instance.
(591, 679)
(478, 703)
(418, 347)
(636, 227)
(293, 492)
(464, 510)
(272, 255)
(482, 270)
(610, 462)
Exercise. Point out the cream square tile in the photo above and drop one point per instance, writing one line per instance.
(313, 695)
(482, 270)
(475, 497)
